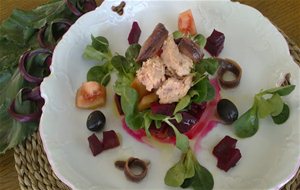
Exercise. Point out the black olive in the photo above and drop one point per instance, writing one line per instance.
(227, 111)
(95, 121)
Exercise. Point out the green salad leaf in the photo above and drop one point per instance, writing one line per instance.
(100, 74)
(283, 116)
(183, 103)
(132, 52)
(200, 40)
(188, 172)
(18, 33)
(248, 123)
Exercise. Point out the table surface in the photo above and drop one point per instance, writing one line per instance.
(283, 13)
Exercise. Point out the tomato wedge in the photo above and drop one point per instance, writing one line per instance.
(91, 95)
(186, 23)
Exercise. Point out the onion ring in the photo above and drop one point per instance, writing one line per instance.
(234, 68)
(32, 95)
(22, 62)
(41, 34)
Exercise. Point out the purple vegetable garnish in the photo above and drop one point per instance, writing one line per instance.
(229, 159)
(226, 153)
(197, 109)
(95, 144)
(81, 7)
(187, 122)
(215, 43)
(110, 139)
(32, 95)
(88, 5)
(134, 34)
(164, 109)
(226, 143)
(27, 56)
(57, 29)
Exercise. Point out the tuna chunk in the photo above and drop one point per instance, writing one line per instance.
(152, 73)
(153, 43)
(173, 89)
(177, 63)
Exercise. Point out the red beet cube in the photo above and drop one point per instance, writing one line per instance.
(110, 139)
(197, 109)
(226, 143)
(164, 109)
(95, 144)
(134, 34)
(215, 43)
(229, 159)
(187, 122)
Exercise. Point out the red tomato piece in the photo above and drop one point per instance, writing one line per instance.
(91, 95)
(186, 23)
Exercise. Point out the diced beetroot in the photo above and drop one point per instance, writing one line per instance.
(110, 139)
(215, 43)
(229, 159)
(226, 143)
(164, 109)
(163, 132)
(118, 104)
(226, 153)
(134, 34)
(197, 109)
(187, 122)
(95, 144)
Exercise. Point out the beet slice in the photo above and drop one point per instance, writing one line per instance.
(226, 143)
(197, 109)
(187, 122)
(215, 43)
(226, 153)
(164, 109)
(229, 159)
(110, 139)
(134, 34)
(95, 144)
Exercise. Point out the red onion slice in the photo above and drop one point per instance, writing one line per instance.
(88, 5)
(32, 95)
(26, 56)
(41, 34)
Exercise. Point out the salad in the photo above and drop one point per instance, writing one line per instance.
(168, 90)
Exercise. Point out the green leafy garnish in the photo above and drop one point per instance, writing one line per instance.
(183, 103)
(200, 40)
(283, 116)
(177, 35)
(132, 52)
(247, 124)
(100, 74)
(182, 142)
(210, 65)
(98, 50)
(18, 33)
(202, 91)
(100, 43)
(188, 172)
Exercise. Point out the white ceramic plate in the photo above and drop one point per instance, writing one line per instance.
(269, 159)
